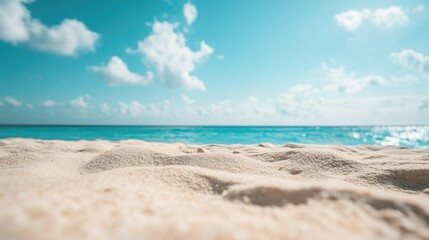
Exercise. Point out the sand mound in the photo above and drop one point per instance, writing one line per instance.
(189, 179)
(387, 168)
(313, 163)
(126, 157)
(380, 206)
(143, 157)
(138, 190)
(413, 178)
(224, 162)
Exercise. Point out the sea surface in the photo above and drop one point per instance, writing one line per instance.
(408, 136)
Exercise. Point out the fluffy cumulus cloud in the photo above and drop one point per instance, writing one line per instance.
(341, 81)
(116, 72)
(190, 13)
(166, 49)
(67, 38)
(78, 102)
(412, 59)
(386, 17)
(12, 101)
(13, 21)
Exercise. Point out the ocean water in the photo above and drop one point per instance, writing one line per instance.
(408, 136)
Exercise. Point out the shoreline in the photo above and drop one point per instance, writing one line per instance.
(132, 189)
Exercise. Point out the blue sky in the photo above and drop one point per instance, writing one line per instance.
(214, 62)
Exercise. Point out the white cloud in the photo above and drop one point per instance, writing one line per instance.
(30, 106)
(253, 106)
(302, 104)
(389, 17)
(1, 104)
(173, 59)
(187, 100)
(12, 101)
(300, 99)
(190, 13)
(78, 103)
(350, 20)
(411, 59)
(218, 109)
(13, 21)
(340, 81)
(67, 38)
(135, 108)
(384, 17)
(105, 108)
(116, 72)
(49, 103)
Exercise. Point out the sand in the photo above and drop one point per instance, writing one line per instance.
(139, 190)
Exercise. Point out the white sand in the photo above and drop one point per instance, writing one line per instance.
(139, 190)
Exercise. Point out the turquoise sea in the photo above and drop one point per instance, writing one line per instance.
(408, 136)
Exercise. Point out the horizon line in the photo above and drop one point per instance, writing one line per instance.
(209, 125)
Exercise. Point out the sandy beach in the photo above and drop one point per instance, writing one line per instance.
(140, 190)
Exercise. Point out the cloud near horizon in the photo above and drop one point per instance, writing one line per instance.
(12, 101)
(49, 103)
(299, 104)
(136, 108)
(68, 38)
(299, 99)
(78, 102)
(342, 82)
